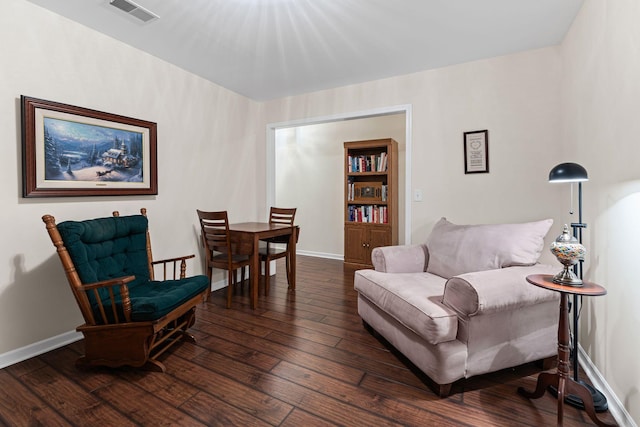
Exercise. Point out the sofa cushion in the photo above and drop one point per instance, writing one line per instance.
(459, 249)
(492, 291)
(413, 299)
(400, 259)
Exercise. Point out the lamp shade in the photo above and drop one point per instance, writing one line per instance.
(568, 172)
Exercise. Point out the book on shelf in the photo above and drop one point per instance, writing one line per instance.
(367, 163)
(368, 214)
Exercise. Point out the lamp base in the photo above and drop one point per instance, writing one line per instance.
(599, 400)
(567, 277)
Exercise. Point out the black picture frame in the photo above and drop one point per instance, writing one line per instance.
(476, 151)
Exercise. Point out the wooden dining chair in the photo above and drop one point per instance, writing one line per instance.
(221, 251)
(278, 247)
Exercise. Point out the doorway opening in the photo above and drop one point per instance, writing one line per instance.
(305, 170)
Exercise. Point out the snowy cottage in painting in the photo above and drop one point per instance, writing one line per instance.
(119, 157)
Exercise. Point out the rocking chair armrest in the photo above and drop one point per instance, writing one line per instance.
(111, 282)
(111, 301)
(168, 260)
(181, 260)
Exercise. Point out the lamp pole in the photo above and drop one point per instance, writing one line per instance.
(577, 269)
(573, 172)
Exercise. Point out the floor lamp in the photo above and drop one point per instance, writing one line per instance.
(573, 172)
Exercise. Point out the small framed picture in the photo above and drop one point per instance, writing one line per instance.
(476, 151)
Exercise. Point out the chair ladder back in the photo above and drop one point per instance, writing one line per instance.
(143, 211)
(215, 233)
(69, 269)
(282, 216)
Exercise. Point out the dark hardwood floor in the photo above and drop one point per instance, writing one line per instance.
(300, 359)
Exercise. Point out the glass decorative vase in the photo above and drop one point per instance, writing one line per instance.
(569, 252)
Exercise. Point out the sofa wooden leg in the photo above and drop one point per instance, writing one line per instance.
(443, 390)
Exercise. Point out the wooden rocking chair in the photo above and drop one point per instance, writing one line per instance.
(130, 318)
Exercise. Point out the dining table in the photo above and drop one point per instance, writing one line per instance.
(249, 235)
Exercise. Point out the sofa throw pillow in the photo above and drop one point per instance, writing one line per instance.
(459, 249)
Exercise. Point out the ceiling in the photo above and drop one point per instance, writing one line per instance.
(267, 49)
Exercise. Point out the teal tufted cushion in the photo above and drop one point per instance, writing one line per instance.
(156, 299)
(108, 248)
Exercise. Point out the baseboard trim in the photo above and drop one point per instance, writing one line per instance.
(616, 408)
(338, 257)
(38, 348)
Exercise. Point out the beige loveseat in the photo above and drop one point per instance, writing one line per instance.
(460, 305)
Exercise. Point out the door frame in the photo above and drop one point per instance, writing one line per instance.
(270, 183)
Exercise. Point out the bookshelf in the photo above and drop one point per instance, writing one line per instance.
(370, 199)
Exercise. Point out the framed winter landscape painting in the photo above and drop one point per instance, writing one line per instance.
(74, 151)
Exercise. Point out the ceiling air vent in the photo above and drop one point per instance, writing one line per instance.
(134, 9)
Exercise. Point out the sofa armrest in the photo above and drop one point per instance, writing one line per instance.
(400, 259)
(490, 291)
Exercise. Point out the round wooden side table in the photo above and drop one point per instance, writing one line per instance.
(561, 380)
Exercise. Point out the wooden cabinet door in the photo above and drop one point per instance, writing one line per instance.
(355, 241)
(378, 236)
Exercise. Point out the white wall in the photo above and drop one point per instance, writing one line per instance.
(601, 108)
(310, 176)
(204, 133)
(515, 97)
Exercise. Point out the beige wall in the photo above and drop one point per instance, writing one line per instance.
(200, 127)
(516, 97)
(310, 176)
(601, 111)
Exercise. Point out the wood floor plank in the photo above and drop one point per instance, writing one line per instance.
(301, 358)
(144, 408)
(230, 321)
(460, 411)
(304, 398)
(360, 397)
(299, 418)
(388, 368)
(20, 407)
(259, 404)
(246, 355)
(63, 361)
(167, 388)
(72, 401)
(216, 412)
(291, 353)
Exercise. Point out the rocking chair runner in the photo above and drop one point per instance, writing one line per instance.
(130, 318)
